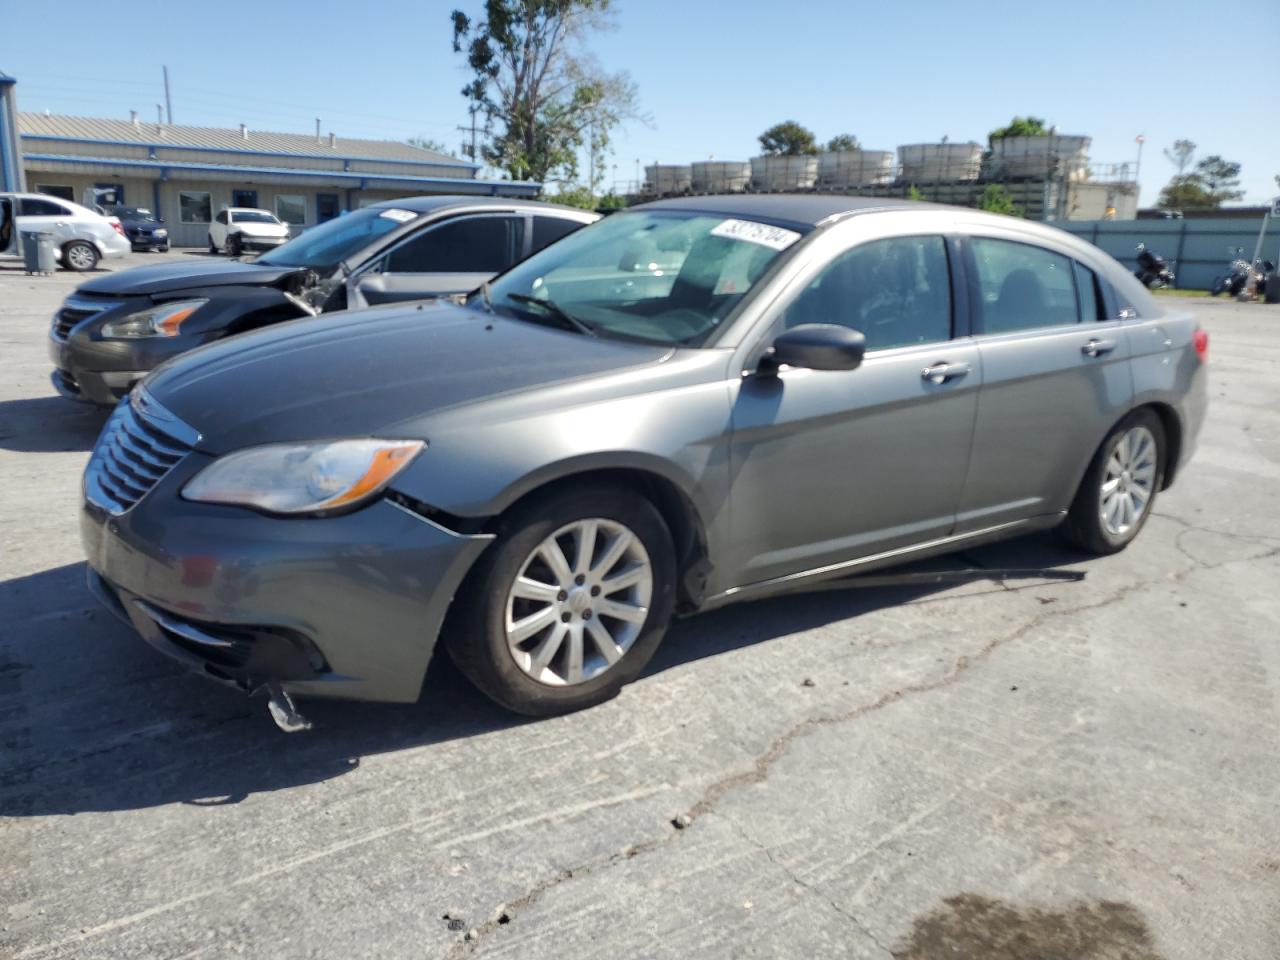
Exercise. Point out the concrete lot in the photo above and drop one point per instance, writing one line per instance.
(1009, 770)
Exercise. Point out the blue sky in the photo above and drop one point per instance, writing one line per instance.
(711, 75)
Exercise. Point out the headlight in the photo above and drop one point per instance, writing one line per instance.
(162, 321)
(303, 477)
(160, 232)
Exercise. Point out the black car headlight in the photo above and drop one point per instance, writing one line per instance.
(164, 320)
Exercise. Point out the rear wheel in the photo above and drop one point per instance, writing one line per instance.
(79, 256)
(569, 604)
(1119, 489)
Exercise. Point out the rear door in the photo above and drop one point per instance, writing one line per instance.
(8, 227)
(1055, 378)
(829, 467)
(444, 258)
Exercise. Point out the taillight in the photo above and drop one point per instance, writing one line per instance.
(1201, 340)
(119, 229)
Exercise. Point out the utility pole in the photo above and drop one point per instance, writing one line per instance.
(591, 153)
(471, 150)
(1137, 170)
(168, 101)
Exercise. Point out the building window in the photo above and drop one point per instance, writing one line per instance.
(291, 208)
(195, 206)
(56, 190)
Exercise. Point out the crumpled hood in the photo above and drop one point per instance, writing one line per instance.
(357, 373)
(263, 229)
(171, 277)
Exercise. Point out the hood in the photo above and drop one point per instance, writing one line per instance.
(263, 229)
(169, 277)
(360, 372)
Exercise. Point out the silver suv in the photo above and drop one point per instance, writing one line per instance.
(689, 403)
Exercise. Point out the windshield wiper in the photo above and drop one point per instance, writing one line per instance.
(555, 312)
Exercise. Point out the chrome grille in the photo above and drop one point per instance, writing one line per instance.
(140, 443)
(71, 313)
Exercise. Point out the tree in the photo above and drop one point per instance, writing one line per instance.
(426, 143)
(913, 193)
(842, 142)
(543, 96)
(1019, 127)
(788, 139)
(1180, 155)
(996, 199)
(1220, 178)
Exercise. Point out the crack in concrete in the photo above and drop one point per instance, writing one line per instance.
(761, 767)
(808, 887)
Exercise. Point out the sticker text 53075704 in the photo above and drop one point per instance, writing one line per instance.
(777, 238)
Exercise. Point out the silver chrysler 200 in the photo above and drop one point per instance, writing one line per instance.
(692, 402)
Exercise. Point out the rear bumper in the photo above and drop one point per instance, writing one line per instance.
(344, 606)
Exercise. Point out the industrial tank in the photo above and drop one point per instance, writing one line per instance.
(1041, 156)
(855, 168)
(664, 179)
(784, 173)
(721, 176)
(940, 162)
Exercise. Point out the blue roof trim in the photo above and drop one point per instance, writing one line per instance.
(166, 145)
(332, 175)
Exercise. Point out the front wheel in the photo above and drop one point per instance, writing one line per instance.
(213, 247)
(80, 256)
(233, 245)
(1119, 488)
(570, 603)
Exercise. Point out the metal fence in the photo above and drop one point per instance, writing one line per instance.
(1197, 250)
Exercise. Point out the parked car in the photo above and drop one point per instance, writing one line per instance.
(544, 475)
(81, 237)
(238, 229)
(115, 328)
(144, 229)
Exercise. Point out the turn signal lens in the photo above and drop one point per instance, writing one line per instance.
(164, 320)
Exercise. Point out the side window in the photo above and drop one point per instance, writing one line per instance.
(1089, 293)
(30, 207)
(1022, 287)
(547, 230)
(221, 217)
(465, 245)
(896, 291)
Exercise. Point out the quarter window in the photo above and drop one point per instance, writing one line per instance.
(291, 208)
(195, 206)
(547, 230)
(896, 292)
(1022, 287)
(466, 245)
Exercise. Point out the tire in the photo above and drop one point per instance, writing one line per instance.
(1131, 461)
(233, 245)
(213, 247)
(164, 249)
(80, 256)
(511, 674)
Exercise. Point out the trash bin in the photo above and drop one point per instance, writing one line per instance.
(37, 252)
(1273, 288)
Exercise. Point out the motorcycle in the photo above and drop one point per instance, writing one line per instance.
(1153, 270)
(1236, 277)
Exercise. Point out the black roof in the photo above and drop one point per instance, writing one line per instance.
(800, 209)
(436, 203)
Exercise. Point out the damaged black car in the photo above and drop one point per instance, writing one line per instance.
(116, 328)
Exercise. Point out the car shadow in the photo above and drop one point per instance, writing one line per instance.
(94, 720)
(49, 424)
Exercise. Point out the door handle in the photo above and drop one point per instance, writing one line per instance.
(942, 372)
(1096, 347)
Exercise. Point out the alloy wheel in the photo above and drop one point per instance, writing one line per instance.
(579, 601)
(1128, 483)
(81, 256)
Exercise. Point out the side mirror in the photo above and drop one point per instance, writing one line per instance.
(817, 346)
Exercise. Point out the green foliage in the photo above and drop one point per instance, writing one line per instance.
(583, 198)
(1213, 182)
(426, 143)
(1019, 127)
(842, 142)
(611, 201)
(788, 139)
(914, 193)
(542, 95)
(996, 199)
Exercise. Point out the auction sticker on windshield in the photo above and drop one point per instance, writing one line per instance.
(762, 233)
(398, 215)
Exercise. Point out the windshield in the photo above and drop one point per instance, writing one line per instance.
(252, 216)
(325, 246)
(663, 276)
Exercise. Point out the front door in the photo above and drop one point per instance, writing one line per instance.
(1055, 379)
(244, 198)
(8, 228)
(829, 467)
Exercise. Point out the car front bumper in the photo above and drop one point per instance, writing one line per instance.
(260, 243)
(103, 371)
(346, 606)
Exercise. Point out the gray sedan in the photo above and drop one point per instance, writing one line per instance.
(689, 403)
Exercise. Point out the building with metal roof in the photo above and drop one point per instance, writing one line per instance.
(187, 174)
